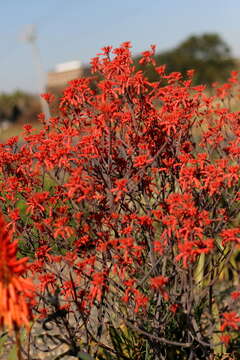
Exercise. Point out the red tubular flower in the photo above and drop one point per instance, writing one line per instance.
(48, 97)
(141, 301)
(98, 283)
(230, 320)
(16, 292)
(225, 339)
(120, 188)
(141, 160)
(158, 283)
(235, 295)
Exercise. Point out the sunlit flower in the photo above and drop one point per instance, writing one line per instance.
(16, 292)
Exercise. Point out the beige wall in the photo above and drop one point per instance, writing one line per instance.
(60, 79)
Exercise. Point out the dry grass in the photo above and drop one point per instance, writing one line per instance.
(16, 130)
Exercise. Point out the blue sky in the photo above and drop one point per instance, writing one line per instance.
(76, 30)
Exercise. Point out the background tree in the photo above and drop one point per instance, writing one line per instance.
(19, 106)
(208, 54)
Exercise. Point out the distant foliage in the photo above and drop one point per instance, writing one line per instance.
(19, 107)
(209, 54)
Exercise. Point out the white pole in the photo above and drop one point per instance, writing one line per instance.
(31, 37)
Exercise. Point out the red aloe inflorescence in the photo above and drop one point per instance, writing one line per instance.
(128, 202)
(16, 292)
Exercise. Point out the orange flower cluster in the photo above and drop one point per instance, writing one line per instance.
(16, 292)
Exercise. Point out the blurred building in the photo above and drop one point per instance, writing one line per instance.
(62, 74)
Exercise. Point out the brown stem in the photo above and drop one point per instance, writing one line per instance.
(18, 342)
